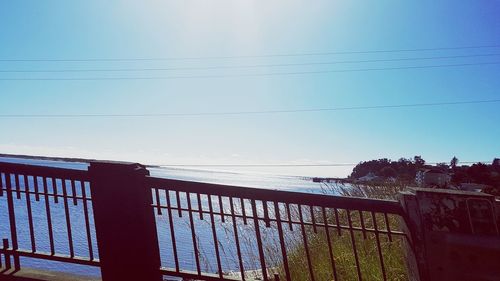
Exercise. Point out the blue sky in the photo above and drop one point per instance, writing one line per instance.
(194, 29)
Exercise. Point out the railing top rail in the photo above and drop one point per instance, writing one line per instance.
(44, 171)
(290, 197)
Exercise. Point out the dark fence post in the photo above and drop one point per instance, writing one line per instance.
(455, 234)
(124, 222)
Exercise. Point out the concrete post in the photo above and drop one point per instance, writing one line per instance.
(124, 222)
(455, 234)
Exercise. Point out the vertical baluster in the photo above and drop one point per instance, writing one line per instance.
(18, 186)
(200, 207)
(178, 198)
(237, 239)
(282, 241)
(5, 245)
(68, 219)
(47, 211)
(193, 233)
(1, 184)
(328, 239)
(73, 192)
(37, 193)
(12, 219)
(172, 230)
(221, 208)
(54, 189)
(243, 211)
(379, 248)
(289, 214)
(306, 246)
(157, 198)
(266, 214)
(30, 216)
(87, 219)
(353, 241)
(387, 224)
(363, 229)
(259, 240)
(313, 220)
(214, 234)
(336, 212)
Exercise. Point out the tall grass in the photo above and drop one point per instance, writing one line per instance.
(375, 252)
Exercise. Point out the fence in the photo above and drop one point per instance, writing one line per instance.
(52, 190)
(130, 225)
(281, 216)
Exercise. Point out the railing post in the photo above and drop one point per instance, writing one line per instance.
(415, 255)
(455, 234)
(124, 222)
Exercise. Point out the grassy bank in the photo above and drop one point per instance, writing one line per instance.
(376, 254)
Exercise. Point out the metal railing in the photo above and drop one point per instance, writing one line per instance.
(289, 219)
(203, 231)
(31, 194)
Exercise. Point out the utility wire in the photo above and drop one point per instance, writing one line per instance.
(239, 66)
(253, 56)
(248, 75)
(194, 114)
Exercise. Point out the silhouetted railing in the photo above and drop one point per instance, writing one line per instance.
(288, 219)
(147, 225)
(34, 193)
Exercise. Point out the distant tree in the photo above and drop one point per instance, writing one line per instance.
(388, 172)
(480, 173)
(454, 162)
(443, 166)
(403, 169)
(495, 167)
(460, 175)
(419, 162)
(372, 166)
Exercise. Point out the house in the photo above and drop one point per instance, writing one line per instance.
(432, 178)
(369, 178)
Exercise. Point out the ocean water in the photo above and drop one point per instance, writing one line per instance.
(183, 235)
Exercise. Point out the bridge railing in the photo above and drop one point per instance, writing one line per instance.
(281, 225)
(128, 224)
(39, 206)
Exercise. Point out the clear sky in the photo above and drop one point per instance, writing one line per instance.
(208, 31)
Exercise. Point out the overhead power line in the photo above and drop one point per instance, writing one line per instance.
(240, 66)
(247, 74)
(195, 114)
(251, 56)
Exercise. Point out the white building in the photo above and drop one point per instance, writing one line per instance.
(432, 178)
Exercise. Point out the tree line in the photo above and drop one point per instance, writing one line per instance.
(405, 170)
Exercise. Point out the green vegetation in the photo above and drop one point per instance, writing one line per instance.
(479, 173)
(367, 244)
(403, 171)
